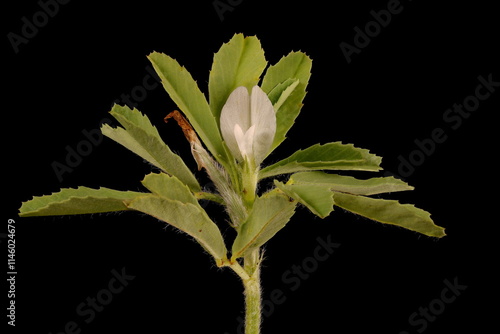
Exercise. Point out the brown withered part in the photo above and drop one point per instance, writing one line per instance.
(189, 133)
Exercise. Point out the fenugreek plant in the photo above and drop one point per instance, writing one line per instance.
(231, 135)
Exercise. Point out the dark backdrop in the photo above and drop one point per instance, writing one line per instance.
(387, 94)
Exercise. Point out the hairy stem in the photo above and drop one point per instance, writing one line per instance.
(250, 276)
(253, 308)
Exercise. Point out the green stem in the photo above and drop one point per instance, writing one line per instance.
(253, 307)
(250, 276)
(250, 272)
(210, 197)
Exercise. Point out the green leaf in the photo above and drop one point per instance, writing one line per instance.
(316, 197)
(390, 212)
(331, 156)
(240, 62)
(142, 138)
(296, 65)
(270, 213)
(351, 185)
(169, 187)
(189, 218)
(281, 92)
(81, 200)
(175, 204)
(184, 91)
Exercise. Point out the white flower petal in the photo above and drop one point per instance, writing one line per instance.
(245, 140)
(248, 124)
(235, 111)
(239, 137)
(263, 117)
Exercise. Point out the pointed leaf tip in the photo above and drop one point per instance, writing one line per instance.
(141, 137)
(331, 156)
(292, 67)
(390, 212)
(184, 91)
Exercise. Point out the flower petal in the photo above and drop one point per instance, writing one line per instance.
(263, 117)
(235, 111)
(245, 141)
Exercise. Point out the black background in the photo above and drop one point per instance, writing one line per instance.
(396, 90)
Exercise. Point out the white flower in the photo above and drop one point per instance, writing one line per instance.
(248, 124)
